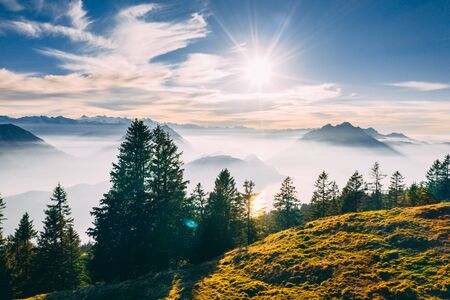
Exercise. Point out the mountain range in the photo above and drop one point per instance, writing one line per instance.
(347, 135)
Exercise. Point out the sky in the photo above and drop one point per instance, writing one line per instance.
(261, 64)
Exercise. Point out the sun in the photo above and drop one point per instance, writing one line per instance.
(258, 204)
(258, 71)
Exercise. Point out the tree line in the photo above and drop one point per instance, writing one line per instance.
(147, 222)
(32, 262)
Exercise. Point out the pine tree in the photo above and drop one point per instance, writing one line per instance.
(444, 179)
(216, 234)
(335, 207)
(238, 219)
(413, 197)
(199, 200)
(122, 221)
(73, 264)
(248, 197)
(321, 199)
(21, 254)
(376, 197)
(354, 195)
(434, 180)
(167, 189)
(396, 191)
(287, 204)
(5, 291)
(52, 252)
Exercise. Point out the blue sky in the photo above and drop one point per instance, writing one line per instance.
(272, 64)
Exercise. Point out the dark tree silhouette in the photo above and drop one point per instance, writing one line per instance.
(287, 204)
(21, 254)
(354, 194)
(321, 199)
(396, 192)
(5, 291)
(122, 221)
(54, 272)
(216, 233)
(376, 186)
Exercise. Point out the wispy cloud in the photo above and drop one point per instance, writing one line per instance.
(12, 5)
(202, 68)
(421, 85)
(78, 15)
(39, 29)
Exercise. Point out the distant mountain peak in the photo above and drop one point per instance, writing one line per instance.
(216, 159)
(345, 134)
(346, 124)
(10, 133)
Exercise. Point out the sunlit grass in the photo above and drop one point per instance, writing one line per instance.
(388, 254)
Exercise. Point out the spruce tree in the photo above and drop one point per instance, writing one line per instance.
(21, 255)
(321, 199)
(53, 257)
(376, 196)
(413, 197)
(215, 235)
(199, 200)
(444, 179)
(122, 221)
(396, 191)
(335, 207)
(73, 264)
(167, 189)
(354, 197)
(5, 292)
(287, 204)
(248, 197)
(434, 180)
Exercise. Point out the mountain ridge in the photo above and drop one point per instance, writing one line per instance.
(345, 134)
(10, 133)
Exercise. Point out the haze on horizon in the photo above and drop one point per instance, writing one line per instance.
(261, 64)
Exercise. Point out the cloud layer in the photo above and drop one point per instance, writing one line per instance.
(117, 71)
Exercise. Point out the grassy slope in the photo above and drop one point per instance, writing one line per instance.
(400, 253)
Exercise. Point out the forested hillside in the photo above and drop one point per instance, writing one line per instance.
(387, 254)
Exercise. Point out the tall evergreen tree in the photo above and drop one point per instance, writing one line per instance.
(52, 252)
(321, 199)
(434, 180)
(248, 197)
(376, 196)
(335, 206)
(199, 201)
(21, 254)
(413, 197)
(216, 234)
(122, 221)
(167, 189)
(354, 195)
(444, 179)
(73, 264)
(287, 204)
(5, 291)
(396, 192)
